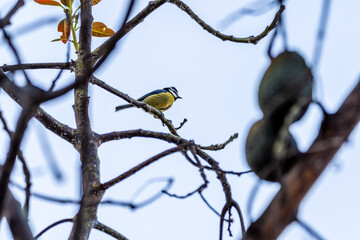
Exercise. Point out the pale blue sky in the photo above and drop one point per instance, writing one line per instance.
(218, 82)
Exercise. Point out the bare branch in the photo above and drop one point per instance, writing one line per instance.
(217, 147)
(101, 227)
(141, 133)
(137, 168)
(208, 28)
(25, 66)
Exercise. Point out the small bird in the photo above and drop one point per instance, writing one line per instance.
(161, 99)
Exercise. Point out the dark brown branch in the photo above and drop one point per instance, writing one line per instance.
(208, 28)
(26, 66)
(141, 133)
(283, 208)
(137, 168)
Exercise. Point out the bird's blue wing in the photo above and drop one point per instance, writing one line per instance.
(152, 93)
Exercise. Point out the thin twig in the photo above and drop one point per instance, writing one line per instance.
(182, 124)
(53, 225)
(137, 168)
(221, 146)
(208, 28)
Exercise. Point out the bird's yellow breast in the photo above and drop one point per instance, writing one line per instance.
(160, 101)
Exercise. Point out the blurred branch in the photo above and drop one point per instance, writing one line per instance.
(217, 147)
(310, 230)
(283, 208)
(136, 103)
(127, 27)
(15, 52)
(67, 133)
(16, 219)
(49, 155)
(321, 32)
(16, 139)
(32, 25)
(260, 7)
(25, 167)
(101, 227)
(27, 182)
(6, 20)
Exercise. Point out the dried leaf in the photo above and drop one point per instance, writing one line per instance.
(99, 29)
(64, 28)
(48, 2)
(94, 2)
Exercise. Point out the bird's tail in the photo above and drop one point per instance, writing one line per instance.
(121, 107)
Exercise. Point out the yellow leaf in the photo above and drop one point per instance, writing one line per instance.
(99, 29)
(48, 2)
(64, 28)
(94, 2)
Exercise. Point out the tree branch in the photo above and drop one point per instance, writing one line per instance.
(208, 28)
(25, 66)
(137, 168)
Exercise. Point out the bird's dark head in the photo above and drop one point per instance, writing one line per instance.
(173, 91)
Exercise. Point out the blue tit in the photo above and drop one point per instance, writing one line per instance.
(161, 99)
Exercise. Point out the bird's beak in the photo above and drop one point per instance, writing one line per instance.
(179, 97)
